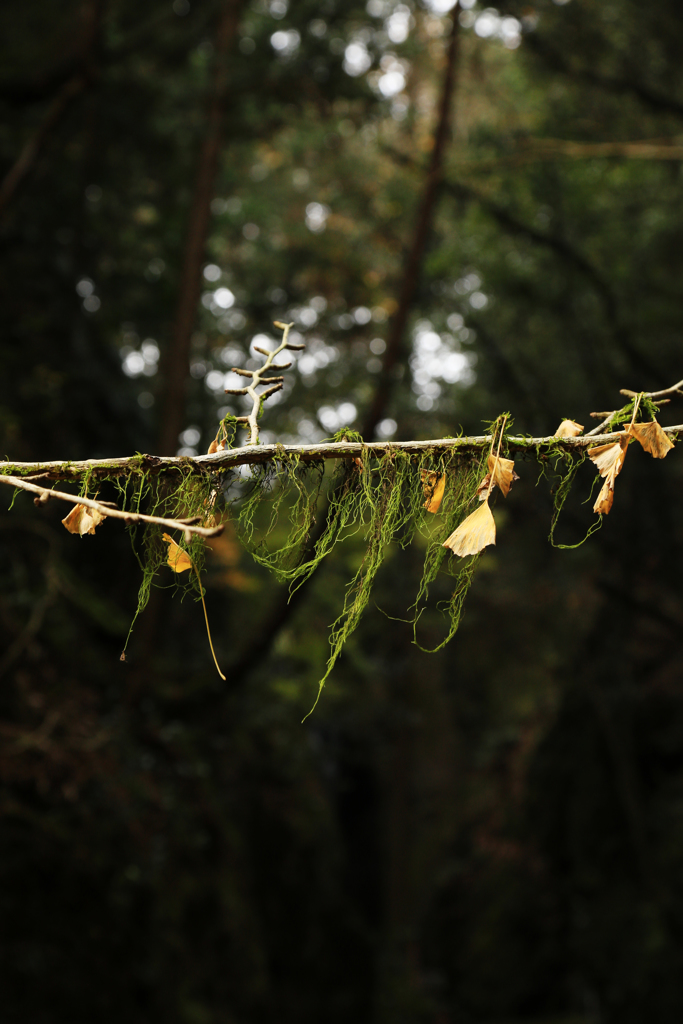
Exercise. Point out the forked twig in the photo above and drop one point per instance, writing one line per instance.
(257, 379)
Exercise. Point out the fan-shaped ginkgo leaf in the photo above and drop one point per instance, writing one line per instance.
(474, 533)
(606, 456)
(653, 439)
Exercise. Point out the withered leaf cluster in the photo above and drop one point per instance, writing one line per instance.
(609, 458)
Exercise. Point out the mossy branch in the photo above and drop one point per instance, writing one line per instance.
(251, 455)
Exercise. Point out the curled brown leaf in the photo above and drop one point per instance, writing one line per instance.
(503, 473)
(605, 498)
(82, 520)
(177, 558)
(434, 487)
(568, 428)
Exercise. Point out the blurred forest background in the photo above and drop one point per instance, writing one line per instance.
(493, 833)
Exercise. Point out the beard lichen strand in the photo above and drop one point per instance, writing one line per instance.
(384, 495)
(463, 478)
(285, 476)
(172, 500)
(561, 493)
(385, 499)
(382, 492)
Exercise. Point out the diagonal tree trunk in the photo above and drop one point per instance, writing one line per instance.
(85, 73)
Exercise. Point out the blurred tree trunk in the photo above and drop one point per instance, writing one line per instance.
(416, 251)
(178, 355)
(85, 73)
(418, 784)
(176, 363)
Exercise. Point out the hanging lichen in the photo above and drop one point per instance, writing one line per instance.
(314, 503)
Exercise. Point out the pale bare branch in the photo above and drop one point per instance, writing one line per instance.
(106, 508)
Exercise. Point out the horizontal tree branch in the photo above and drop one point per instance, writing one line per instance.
(258, 454)
(105, 508)
(533, 150)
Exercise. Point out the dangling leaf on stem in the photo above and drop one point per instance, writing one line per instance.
(608, 459)
(177, 558)
(180, 561)
(502, 471)
(605, 456)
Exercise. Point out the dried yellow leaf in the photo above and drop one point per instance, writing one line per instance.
(483, 488)
(82, 520)
(434, 487)
(474, 534)
(606, 456)
(503, 473)
(653, 439)
(178, 559)
(216, 446)
(605, 498)
(568, 428)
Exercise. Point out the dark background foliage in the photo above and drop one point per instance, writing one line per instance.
(488, 834)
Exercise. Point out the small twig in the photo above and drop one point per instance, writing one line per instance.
(257, 378)
(636, 405)
(676, 389)
(104, 508)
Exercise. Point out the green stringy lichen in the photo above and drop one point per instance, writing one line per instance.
(291, 512)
